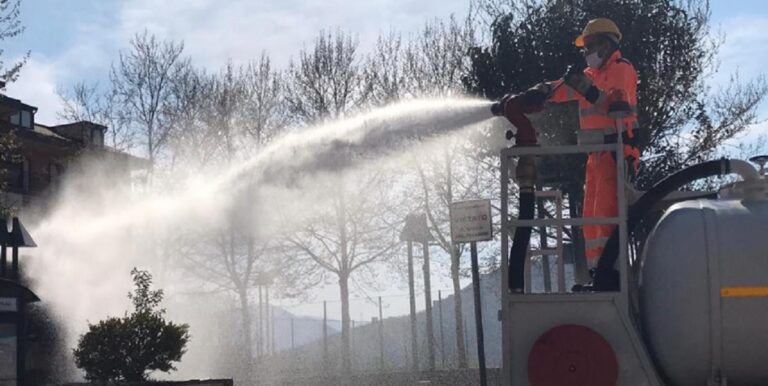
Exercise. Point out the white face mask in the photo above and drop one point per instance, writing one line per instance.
(593, 60)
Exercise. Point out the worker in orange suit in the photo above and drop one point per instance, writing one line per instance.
(607, 74)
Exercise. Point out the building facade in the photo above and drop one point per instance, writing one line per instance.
(43, 154)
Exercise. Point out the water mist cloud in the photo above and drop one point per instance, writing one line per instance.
(99, 228)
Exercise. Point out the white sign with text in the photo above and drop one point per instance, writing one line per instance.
(471, 221)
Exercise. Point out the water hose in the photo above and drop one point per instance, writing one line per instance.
(514, 108)
(520, 242)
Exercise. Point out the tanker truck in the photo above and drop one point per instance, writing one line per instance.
(689, 307)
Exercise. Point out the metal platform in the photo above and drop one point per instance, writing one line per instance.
(526, 316)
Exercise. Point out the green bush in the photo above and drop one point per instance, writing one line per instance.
(129, 347)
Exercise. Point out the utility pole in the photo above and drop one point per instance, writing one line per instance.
(381, 337)
(428, 301)
(442, 336)
(260, 325)
(265, 340)
(478, 314)
(352, 343)
(416, 230)
(471, 222)
(412, 294)
(325, 328)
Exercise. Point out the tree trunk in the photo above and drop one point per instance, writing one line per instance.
(345, 354)
(412, 303)
(455, 264)
(461, 347)
(247, 334)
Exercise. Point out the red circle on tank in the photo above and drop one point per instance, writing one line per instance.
(572, 355)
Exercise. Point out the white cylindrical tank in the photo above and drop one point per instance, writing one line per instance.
(704, 292)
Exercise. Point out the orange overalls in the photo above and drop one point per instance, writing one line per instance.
(600, 198)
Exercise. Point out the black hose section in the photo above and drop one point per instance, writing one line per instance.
(519, 249)
(649, 199)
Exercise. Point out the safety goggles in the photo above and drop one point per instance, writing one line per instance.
(591, 46)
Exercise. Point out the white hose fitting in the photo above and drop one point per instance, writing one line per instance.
(753, 187)
(744, 169)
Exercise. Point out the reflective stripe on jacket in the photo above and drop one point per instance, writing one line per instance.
(617, 74)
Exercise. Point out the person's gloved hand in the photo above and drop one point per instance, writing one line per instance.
(574, 78)
(536, 96)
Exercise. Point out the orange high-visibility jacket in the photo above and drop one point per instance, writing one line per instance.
(600, 200)
(616, 74)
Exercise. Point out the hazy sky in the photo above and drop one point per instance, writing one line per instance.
(78, 39)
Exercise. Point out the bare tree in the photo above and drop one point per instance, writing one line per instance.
(84, 102)
(436, 59)
(434, 64)
(349, 232)
(264, 113)
(327, 82)
(449, 176)
(223, 106)
(386, 69)
(232, 259)
(142, 81)
(10, 27)
(229, 115)
(222, 118)
(430, 63)
(187, 109)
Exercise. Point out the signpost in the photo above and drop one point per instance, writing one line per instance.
(416, 230)
(470, 223)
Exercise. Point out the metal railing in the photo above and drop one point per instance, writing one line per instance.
(509, 223)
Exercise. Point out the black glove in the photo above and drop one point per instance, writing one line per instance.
(575, 78)
(536, 96)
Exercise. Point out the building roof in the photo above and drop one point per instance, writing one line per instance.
(46, 131)
(16, 104)
(81, 123)
(65, 138)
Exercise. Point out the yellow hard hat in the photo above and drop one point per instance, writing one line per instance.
(600, 25)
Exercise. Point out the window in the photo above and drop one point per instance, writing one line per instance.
(26, 119)
(22, 118)
(97, 137)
